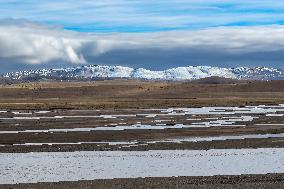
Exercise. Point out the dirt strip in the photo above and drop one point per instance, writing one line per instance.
(214, 182)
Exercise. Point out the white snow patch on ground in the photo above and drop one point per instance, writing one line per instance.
(174, 140)
(22, 113)
(223, 110)
(216, 138)
(42, 112)
(274, 115)
(120, 128)
(74, 166)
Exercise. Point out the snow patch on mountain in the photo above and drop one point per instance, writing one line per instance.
(179, 73)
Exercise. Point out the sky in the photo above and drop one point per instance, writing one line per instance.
(155, 35)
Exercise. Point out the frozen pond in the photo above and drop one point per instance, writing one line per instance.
(73, 166)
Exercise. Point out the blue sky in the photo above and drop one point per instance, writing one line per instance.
(144, 15)
(154, 34)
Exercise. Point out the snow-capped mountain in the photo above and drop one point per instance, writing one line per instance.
(179, 73)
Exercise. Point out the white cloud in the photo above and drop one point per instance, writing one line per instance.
(29, 43)
(35, 44)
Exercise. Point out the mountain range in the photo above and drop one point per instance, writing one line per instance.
(96, 72)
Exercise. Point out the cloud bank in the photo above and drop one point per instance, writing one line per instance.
(30, 44)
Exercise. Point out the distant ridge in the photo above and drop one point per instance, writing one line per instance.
(96, 72)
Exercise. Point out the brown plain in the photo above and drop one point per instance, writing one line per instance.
(139, 94)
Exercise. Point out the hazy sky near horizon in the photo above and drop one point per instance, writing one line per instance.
(153, 34)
